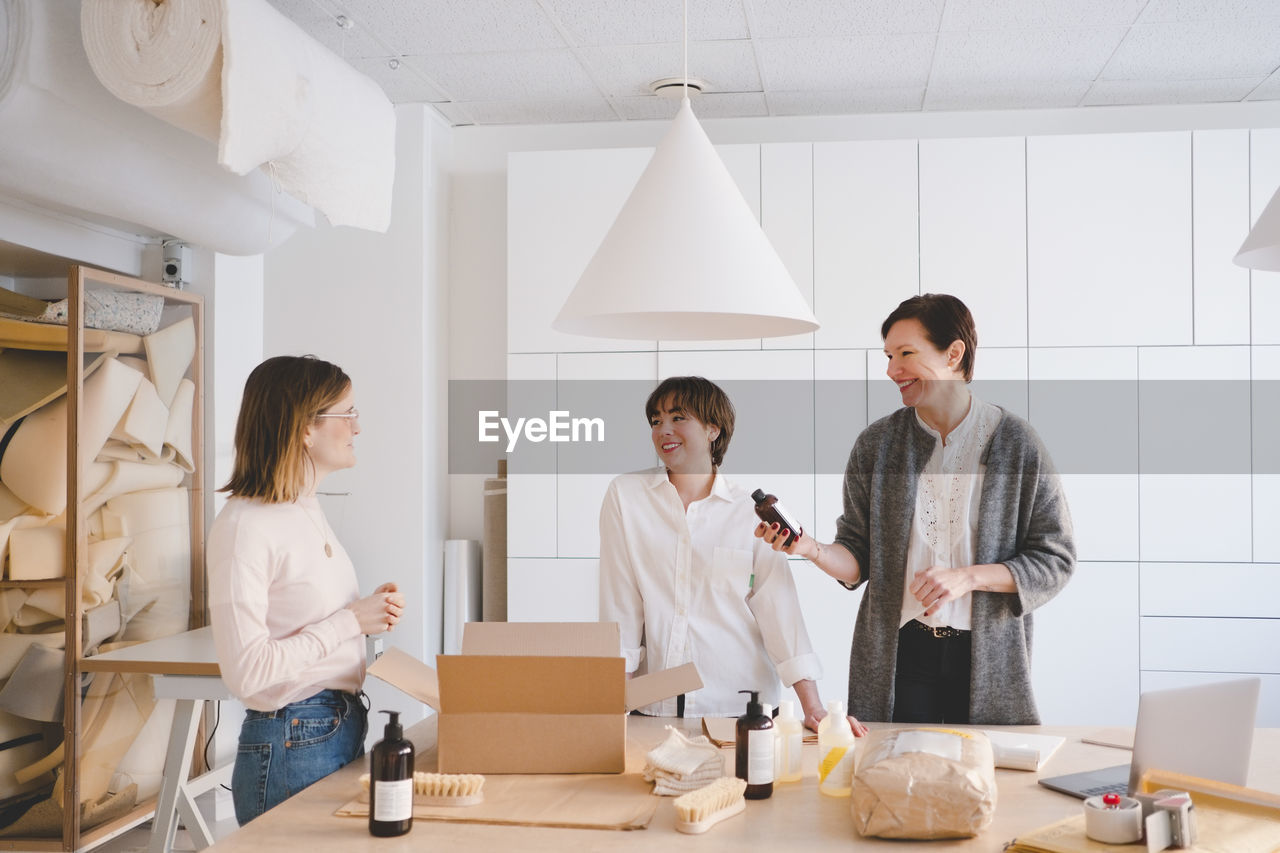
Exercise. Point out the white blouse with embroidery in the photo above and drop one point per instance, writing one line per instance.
(944, 529)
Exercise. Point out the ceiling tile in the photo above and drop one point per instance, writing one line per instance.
(1269, 90)
(1020, 14)
(629, 69)
(540, 112)
(321, 23)
(1197, 49)
(833, 64)
(1014, 96)
(1206, 10)
(411, 27)
(796, 18)
(1056, 54)
(536, 75)
(884, 100)
(599, 22)
(403, 84)
(1107, 92)
(722, 105)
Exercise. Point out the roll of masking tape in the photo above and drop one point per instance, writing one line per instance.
(1118, 823)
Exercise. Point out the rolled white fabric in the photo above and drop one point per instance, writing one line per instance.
(34, 466)
(264, 89)
(161, 177)
(160, 558)
(163, 57)
(169, 354)
(128, 477)
(177, 433)
(145, 420)
(14, 646)
(38, 553)
(10, 505)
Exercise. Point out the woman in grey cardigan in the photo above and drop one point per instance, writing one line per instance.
(955, 519)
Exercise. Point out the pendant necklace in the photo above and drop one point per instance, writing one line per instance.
(328, 549)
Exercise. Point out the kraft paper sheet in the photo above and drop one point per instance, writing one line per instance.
(578, 801)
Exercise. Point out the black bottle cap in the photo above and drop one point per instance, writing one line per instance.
(754, 708)
(393, 731)
(757, 496)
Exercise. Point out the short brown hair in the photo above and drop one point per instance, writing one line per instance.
(282, 396)
(945, 319)
(701, 398)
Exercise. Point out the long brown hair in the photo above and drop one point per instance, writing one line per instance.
(282, 396)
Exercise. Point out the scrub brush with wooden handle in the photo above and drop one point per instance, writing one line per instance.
(697, 811)
(439, 789)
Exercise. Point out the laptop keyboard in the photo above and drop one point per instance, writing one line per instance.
(1099, 790)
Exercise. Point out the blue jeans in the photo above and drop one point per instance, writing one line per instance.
(281, 752)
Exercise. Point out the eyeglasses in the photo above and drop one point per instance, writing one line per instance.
(349, 415)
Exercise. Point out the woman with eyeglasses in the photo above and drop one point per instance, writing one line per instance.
(288, 619)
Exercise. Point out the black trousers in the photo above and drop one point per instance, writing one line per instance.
(932, 680)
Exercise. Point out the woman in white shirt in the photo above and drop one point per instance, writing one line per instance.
(288, 619)
(955, 519)
(682, 575)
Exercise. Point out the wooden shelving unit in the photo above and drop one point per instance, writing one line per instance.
(177, 302)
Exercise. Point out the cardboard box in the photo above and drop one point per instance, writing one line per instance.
(533, 697)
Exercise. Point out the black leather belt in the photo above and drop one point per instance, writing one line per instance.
(939, 632)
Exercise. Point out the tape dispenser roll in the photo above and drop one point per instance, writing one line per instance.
(1113, 819)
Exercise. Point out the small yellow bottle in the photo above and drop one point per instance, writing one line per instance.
(835, 752)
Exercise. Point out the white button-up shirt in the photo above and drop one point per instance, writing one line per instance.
(699, 586)
(945, 527)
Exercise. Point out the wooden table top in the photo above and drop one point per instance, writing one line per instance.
(795, 817)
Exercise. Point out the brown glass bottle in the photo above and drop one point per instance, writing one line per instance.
(391, 782)
(754, 749)
(772, 512)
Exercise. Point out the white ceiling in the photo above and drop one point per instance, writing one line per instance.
(550, 61)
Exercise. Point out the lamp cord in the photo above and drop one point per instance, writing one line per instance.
(686, 50)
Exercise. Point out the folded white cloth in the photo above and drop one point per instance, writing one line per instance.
(681, 764)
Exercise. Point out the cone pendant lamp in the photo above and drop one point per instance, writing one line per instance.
(685, 260)
(1261, 249)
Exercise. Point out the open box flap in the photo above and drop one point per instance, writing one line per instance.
(656, 686)
(545, 639)
(405, 672)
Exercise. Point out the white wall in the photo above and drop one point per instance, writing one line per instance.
(1084, 255)
(376, 304)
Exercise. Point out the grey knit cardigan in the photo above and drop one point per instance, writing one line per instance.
(1023, 522)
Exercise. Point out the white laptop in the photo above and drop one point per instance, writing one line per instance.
(1204, 731)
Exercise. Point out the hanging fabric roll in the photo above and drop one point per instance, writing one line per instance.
(248, 77)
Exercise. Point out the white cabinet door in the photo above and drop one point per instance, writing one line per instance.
(1264, 183)
(866, 237)
(786, 215)
(1220, 199)
(1105, 657)
(973, 231)
(1109, 239)
(560, 205)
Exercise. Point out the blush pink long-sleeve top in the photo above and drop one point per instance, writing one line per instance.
(279, 604)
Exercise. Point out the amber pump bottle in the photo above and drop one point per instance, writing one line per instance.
(772, 512)
(391, 781)
(754, 749)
